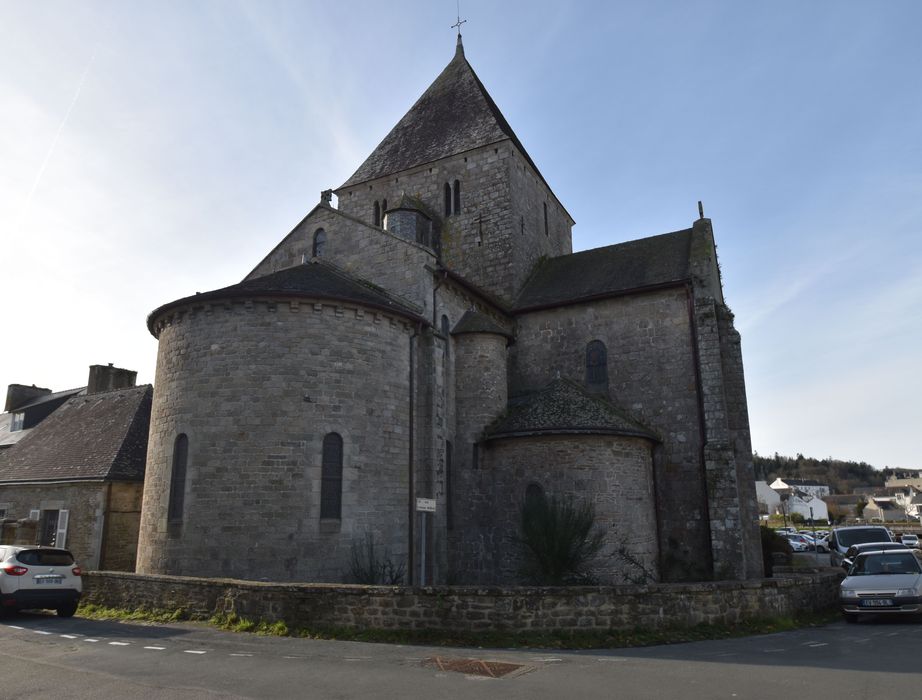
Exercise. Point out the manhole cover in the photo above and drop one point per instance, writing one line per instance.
(474, 667)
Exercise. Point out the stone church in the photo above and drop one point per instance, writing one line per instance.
(434, 337)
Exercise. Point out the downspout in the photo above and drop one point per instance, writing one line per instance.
(411, 500)
(104, 537)
(702, 425)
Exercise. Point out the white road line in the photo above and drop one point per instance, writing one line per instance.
(773, 651)
(16, 627)
(119, 644)
(69, 636)
(41, 632)
(90, 640)
(819, 644)
(194, 651)
(242, 655)
(156, 648)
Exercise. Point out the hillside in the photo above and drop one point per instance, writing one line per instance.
(841, 476)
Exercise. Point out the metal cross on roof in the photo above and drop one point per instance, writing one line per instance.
(460, 21)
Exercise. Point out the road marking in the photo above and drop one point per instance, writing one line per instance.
(69, 636)
(194, 651)
(41, 632)
(90, 640)
(156, 648)
(819, 644)
(252, 655)
(862, 641)
(893, 634)
(120, 644)
(17, 627)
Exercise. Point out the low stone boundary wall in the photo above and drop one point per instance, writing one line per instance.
(469, 609)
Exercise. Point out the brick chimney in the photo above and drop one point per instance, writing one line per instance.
(109, 378)
(19, 395)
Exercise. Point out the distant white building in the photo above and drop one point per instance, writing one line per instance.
(807, 506)
(814, 488)
(768, 498)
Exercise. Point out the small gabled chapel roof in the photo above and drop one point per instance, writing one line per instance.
(454, 115)
(645, 263)
(564, 407)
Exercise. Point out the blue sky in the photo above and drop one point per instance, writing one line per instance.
(151, 150)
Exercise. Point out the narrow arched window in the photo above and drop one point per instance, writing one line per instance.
(447, 193)
(545, 219)
(320, 242)
(597, 367)
(383, 208)
(331, 477)
(376, 217)
(178, 479)
(457, 198)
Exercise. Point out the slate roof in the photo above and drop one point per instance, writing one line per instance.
(476, 322)
(313, 280)
(90, 438)
(565, 407)
(455, 114)
(615, 269)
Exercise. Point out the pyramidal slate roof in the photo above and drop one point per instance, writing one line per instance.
(313, 280)
(454, 115)
(600, 272)
(565, 407)
(97, 437)
(475, 322)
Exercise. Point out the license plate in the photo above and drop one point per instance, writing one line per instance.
(877, 603)
(48, 579)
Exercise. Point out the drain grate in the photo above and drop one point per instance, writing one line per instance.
(474, 667)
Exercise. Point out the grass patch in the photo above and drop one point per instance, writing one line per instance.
(612, 639)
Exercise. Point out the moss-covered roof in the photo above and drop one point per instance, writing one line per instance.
(313, 280)
(454, 115)
(564, 407)
(624, 267)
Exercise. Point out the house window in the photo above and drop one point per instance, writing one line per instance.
(331, 477)
(376, 218)
(596, 366)
(16, 421)
(178, 479)
(457, 197)
(447, 193)
(320, 242)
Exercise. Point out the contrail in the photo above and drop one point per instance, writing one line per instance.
(54, 142)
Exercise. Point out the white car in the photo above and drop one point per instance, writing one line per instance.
(39, 577)
(910, 540)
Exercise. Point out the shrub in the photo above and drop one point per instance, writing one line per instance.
(558, 541)
(369, 566)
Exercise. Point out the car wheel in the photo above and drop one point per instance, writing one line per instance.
(67, 610)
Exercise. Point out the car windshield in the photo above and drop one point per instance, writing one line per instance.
(885, 563)
(859, 535)
(45, 557)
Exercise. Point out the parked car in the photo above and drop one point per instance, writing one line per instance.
(841, 538)
(798, 542)
(910, 540)
(39, 577)
(883, 581)
(852, 552)
(817, 544)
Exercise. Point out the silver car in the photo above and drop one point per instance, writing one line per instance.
(883, 581)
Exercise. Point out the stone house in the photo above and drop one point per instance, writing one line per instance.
(434, 337)
(75, 479)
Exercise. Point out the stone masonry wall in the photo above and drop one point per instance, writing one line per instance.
(365, 251)
(651, 371)
(493, 241)
(452, 609)
(123, 522)
(614, 474)
(85, 503)
(256, 386)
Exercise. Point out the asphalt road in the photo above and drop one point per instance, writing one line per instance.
(42, 656)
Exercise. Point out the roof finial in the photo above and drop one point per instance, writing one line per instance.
(457, 25)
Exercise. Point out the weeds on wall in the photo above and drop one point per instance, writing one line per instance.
(558, 541)
(372, 566)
